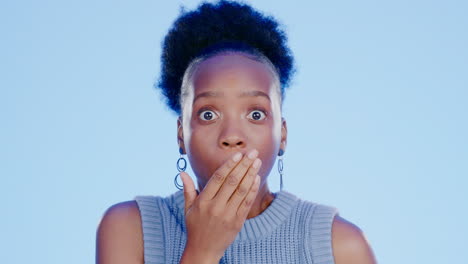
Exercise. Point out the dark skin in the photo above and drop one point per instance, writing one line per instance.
(238, 113)
(234, 110)
(239, 98)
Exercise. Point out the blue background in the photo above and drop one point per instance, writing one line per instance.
(377, 118)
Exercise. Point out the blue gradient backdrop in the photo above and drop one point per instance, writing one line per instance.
(377, 118)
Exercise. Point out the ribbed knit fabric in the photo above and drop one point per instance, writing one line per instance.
(290, 230)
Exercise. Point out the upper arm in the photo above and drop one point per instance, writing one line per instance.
(349, 244)
(119, 235)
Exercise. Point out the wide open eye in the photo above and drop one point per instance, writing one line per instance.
(207, 115)
(257, 115)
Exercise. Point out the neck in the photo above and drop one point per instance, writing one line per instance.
(261, 202)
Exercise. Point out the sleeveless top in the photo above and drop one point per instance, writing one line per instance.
(290, 230)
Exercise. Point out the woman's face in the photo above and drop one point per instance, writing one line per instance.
(234, 107)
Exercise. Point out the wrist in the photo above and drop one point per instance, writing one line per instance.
(191, 256)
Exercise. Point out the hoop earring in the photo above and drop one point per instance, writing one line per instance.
(280, 167)
(181, 166)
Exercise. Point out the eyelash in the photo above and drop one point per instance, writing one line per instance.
(206, 109)
(201, 111)
(259, 109)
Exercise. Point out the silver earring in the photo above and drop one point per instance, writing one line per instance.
(181, 166)
(280, 167)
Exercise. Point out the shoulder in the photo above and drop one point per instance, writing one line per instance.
(119, 235)
(349, 243)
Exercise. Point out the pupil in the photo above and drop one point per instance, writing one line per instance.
(256, 115)
(208, 115)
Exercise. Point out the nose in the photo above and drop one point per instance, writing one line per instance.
(232, 142)
(232, 136)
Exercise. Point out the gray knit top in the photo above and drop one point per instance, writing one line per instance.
(290, 230)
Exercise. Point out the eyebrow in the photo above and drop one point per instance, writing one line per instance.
(255, 94)
(207, 94)
(244, 94)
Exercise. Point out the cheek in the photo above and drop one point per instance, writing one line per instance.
(201, 152)
(200, 141)
(268, 148)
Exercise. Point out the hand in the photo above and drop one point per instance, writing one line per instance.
(216, 215)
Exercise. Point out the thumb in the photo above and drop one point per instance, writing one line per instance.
(189, 190)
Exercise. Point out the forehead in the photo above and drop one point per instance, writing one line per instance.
(232, 73)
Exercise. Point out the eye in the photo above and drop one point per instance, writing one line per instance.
(257, 115)
(207, 115)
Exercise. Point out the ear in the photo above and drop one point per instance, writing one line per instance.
(284, 135)
(180, 136)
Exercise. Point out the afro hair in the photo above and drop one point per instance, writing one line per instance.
(215, 27)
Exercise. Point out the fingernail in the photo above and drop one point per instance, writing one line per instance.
(257, 179)
(257, 163)
(253, 154)
(237, 157)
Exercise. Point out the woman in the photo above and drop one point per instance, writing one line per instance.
(224, 70)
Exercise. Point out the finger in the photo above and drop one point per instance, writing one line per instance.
(244, 187)
(218, 177)
(189, 190)
(235, 177)
(246, 204)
